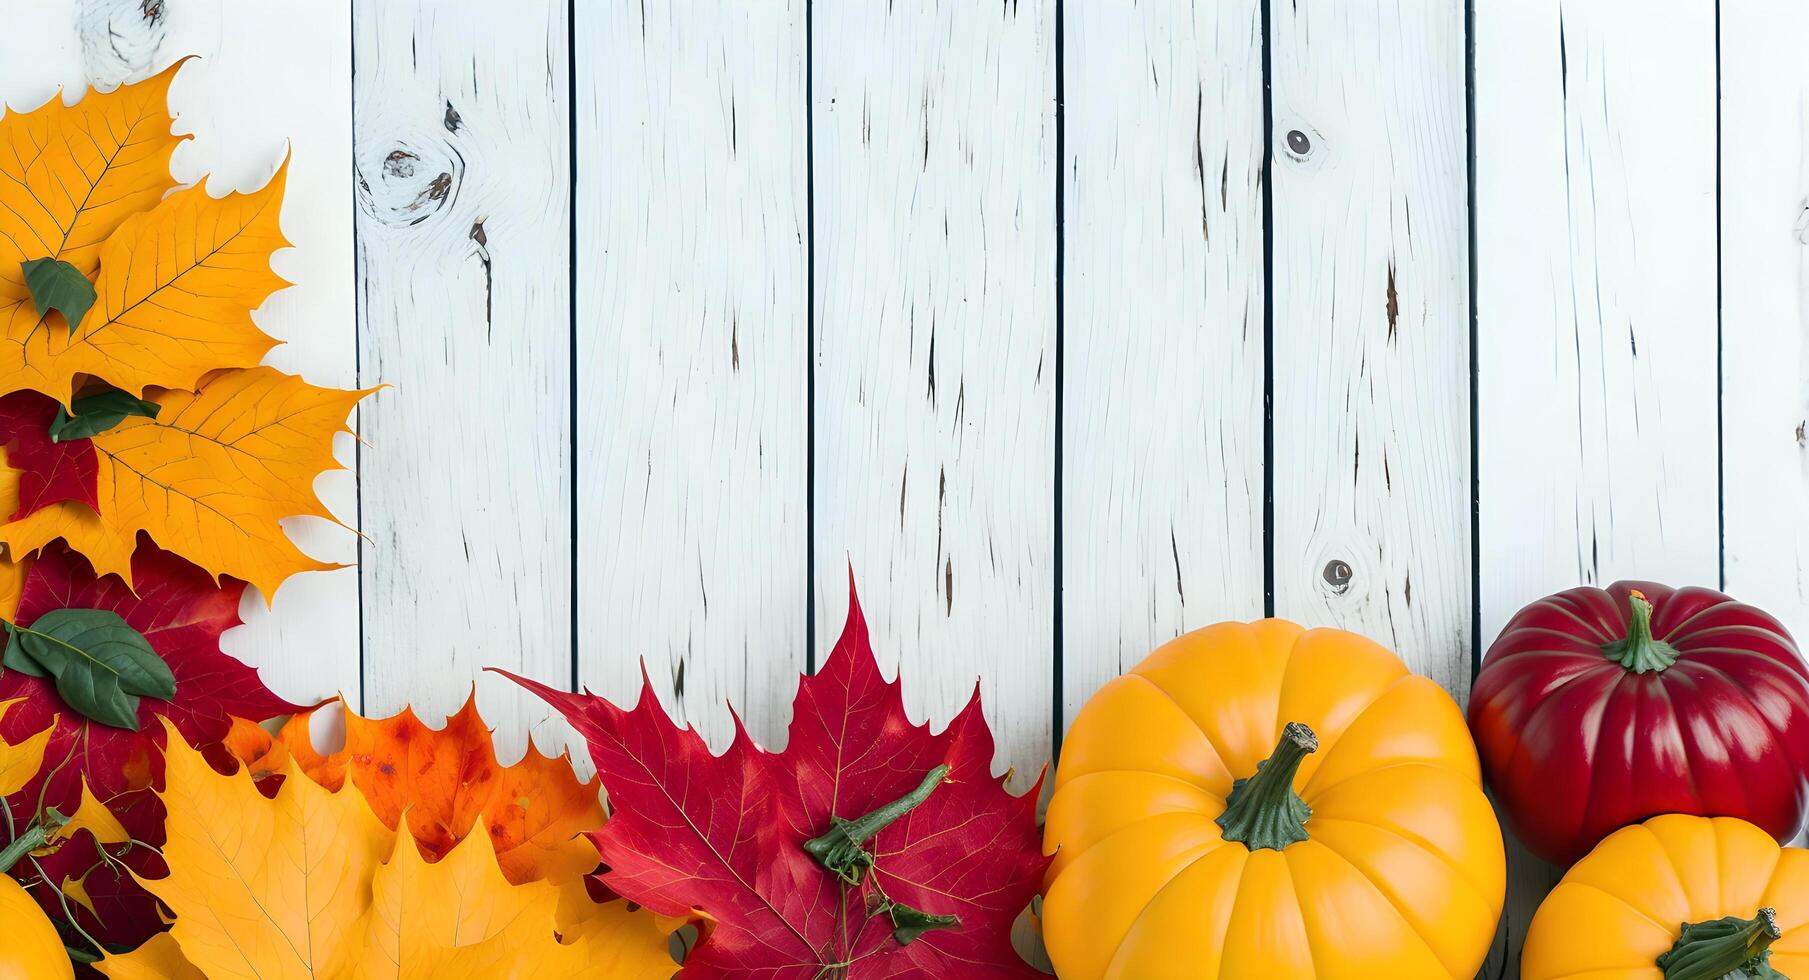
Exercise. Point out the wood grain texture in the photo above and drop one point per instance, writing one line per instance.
(1162, 522)
(273, 78)
(463, 298)
(1371, 328)
(1765, 306)
(693, 353)
(1595, 232)
(935, 346)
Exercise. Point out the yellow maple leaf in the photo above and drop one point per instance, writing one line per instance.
(91, 815)
(71, 175)
(12, 582)
(263, 887)
(459, 917)
(20, 762)
(176, 278)
(158, 959)
(294, 886)
(210, 479)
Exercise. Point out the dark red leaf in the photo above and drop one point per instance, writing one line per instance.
(725, 834)
(49, 472)
(181, 612)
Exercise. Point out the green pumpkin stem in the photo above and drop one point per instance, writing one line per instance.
(1640, 652)
(1719, 948)
(1264, 811)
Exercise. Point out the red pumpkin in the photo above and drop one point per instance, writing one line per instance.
(1597, 708)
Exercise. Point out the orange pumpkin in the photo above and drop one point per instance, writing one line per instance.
(1259, 800)
(1677, 897)
(31, 949)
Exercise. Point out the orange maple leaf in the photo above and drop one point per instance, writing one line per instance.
(444, 780)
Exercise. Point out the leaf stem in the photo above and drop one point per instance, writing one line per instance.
(69, 913)
(840, 847)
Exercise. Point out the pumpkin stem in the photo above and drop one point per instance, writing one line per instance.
(1640, 652)
(1264, 811)
(1721, 948)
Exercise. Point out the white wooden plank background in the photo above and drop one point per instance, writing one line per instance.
(829, 257)
(693, 397)
(464, 191)
(1596, 314)
(1765, 305)
(1370, 347)
(1162, 516)
(934, 394)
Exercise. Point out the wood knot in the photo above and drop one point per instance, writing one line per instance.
(1302, 144)
(121, 39)
(409, 183)
(1337, 574)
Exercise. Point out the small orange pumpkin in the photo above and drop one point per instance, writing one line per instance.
(1259, 800)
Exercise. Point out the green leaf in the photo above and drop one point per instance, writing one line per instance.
(101, 664)
(909, 923)
(96, 414)
(15, 657)
(57, 285)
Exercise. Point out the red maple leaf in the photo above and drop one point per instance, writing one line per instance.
(726, 835)
(181, 612)
(49, 472)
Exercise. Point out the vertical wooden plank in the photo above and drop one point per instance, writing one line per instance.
(692, 357)
(272, 78)
(463, 228)
(40, 52)
(1765, 305)
(1371, 327)
(1595, 241)
(935, 349)
(1162, 523)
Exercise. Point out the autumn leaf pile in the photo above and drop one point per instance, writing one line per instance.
(434, 862)
(149, 462)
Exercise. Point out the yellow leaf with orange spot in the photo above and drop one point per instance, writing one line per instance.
(70, 176)
(210, 479)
